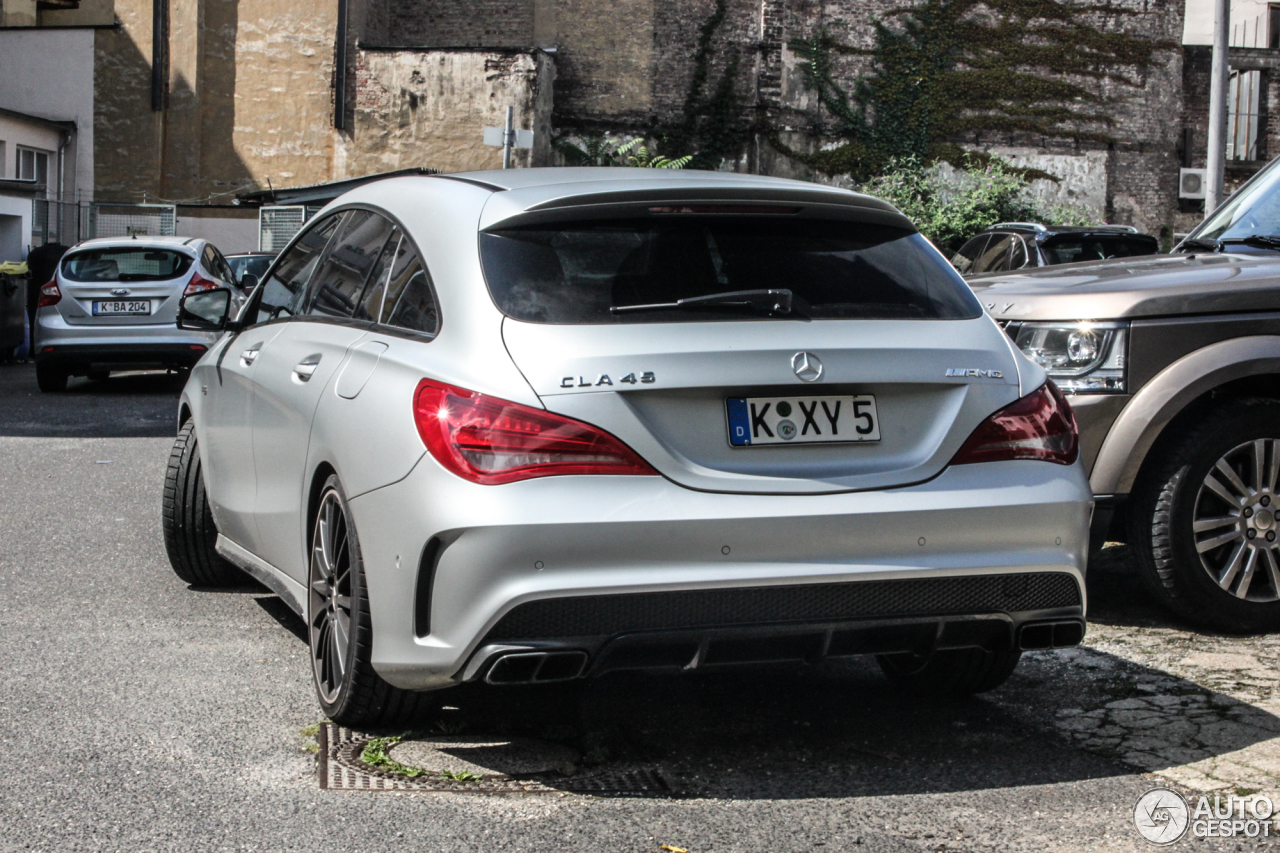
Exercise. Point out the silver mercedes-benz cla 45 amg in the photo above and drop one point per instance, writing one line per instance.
(526, 426)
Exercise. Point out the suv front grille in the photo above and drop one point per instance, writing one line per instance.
(605, 615)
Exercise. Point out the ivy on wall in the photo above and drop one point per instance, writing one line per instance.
(942, 70)
(711, 122)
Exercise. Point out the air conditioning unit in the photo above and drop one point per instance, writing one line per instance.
(1192, 183)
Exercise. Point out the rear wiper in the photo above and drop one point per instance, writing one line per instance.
(766, 301)
(1262, 241)
(1201, 243)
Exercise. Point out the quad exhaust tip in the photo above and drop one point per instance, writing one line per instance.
(537, 667)
(1050, 635)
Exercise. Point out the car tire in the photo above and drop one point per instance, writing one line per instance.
(950, 672)
(51, 378)
(1175, 512)
(190, 535)
(340, 631)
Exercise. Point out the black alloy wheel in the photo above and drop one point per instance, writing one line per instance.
(339, 628)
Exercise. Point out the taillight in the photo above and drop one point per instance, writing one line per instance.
(198, 283)
(1038, 426)
(49, 294)
(490, 441)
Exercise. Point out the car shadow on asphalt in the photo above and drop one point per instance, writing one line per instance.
(126, 405)
(839, 729)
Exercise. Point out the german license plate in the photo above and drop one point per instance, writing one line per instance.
(802, 420)
(121, 306)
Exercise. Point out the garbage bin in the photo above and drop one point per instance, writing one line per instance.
(13, 307)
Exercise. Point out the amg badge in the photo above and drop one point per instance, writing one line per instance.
(971, 371)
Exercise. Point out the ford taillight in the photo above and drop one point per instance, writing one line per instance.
(490, 441)
(199, 283)
(49, 294)
(1038, 426)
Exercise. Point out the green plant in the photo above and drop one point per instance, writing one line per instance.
(375, 755)
(598, 151)
(942, 70)
(459, 776)
(949, 209)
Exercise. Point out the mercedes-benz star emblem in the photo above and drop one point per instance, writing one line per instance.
(807, 366)
(120, 291)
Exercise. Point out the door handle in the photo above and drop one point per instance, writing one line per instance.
(250, 355)
(304, 369)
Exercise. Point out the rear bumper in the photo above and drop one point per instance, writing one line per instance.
(158, 345)
(133, 355)
(624, 570)
(539, 641)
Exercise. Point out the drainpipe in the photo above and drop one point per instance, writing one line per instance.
(1216, 161)
(340, 69)
(159, 52)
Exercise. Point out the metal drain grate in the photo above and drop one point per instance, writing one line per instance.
(340, 769)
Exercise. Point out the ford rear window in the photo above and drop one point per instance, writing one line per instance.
(590, 272)
(125, 264)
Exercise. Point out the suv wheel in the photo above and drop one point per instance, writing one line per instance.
(1205, 521)
(951, 672)
(189, 531)
(339, 629)
(51, 378)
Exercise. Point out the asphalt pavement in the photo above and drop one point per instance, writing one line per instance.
(137, 713)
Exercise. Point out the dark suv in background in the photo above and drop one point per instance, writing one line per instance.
(1021, 245)
(1172, 364)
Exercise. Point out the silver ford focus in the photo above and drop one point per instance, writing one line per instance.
(526, 426)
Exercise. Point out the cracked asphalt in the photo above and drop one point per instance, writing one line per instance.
(137, 713)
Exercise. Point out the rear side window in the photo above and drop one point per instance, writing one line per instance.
(1072, 249)
(410, 302)
(963, 260)
(125, 264)
(996, 255)
(337, 289)
(574, 272)
(282, 293)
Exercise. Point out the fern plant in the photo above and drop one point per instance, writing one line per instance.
(596, 150)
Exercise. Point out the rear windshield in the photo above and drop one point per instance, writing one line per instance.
(1071, 249)
(125, 264)
(574, 272)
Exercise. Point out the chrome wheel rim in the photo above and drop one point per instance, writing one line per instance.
(1236, 521)
(329, 599)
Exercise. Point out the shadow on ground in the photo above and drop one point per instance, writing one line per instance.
(836, 729)
(126, 405)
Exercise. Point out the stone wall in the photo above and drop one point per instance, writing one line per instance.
(249, 100)
(430, 107)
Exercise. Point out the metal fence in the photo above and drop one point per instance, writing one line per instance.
(277, 224)
(57, 222)
(132, 220)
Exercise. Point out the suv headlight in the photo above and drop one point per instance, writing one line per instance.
(1082, 358)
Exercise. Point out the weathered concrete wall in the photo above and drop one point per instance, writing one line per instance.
(430, 108)
(249, 100)
(627, 68)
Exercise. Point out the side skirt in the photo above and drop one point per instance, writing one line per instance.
(290, 591)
